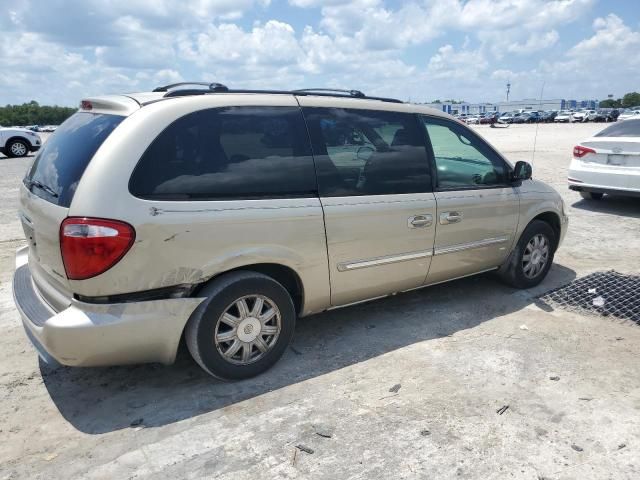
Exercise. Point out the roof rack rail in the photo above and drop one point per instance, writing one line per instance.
(352, 93)
(214, 87)
(173, 91)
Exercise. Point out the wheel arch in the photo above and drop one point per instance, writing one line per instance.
(283, 274)
(17, 137)
(553, 219)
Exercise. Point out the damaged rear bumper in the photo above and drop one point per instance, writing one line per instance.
(87, 334)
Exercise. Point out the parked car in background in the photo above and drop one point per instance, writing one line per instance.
(581, 115)
(608, 162)
(490, 118)
(506, 118)
(548, 117)
(613, 115)
(18, 142)
(563, 116)
(473, 119)
(601, 115)
(633, 112)
(531, 117)
(221, 216)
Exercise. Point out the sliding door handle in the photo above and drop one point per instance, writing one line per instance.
(450, 217)
(420, 221)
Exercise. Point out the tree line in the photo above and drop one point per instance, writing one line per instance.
(33, 113)
(631, 99)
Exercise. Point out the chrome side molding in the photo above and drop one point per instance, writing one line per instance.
(468, 246)
(374, 262)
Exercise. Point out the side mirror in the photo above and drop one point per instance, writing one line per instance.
(522, 171)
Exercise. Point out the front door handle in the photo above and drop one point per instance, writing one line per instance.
(420, 221)
(450, 217)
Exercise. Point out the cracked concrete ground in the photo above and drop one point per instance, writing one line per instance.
(406, 387)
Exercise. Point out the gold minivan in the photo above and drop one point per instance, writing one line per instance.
(226, 214)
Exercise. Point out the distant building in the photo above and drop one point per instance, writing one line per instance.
(530, 104)
(465, 108)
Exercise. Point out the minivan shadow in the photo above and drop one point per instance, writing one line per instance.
(99, 400)
(614, 205)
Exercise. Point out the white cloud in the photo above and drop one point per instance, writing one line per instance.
(535, 42)
(451, 64)
(408, 49)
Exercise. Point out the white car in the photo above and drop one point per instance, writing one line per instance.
(18, 142)
(584, 115)
(608, 162)
(563, 116)
(592, 116)
(505, 118)
(629, 113)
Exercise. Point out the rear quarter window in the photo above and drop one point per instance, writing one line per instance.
(626, 128)
(228, 153)
(59, 165)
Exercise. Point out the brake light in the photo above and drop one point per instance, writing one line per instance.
(86, 105)
(579, 151)
(91, 246)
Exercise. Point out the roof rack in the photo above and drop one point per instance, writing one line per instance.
(351, 93)
(173, 91)
(214, 87)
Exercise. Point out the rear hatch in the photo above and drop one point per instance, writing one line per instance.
(618, 144)
(48, 190)
(621, 152)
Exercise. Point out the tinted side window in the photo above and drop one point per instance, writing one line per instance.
(462, 159)
(234, 152)
(367, 152)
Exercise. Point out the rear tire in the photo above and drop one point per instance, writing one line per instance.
(243, 327)
(591, 195)
(17, 148)
(531, 260)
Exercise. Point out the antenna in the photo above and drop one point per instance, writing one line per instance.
(535, 137)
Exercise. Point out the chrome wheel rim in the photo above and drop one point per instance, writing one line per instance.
(536, 256)
(18, 149)
(248, 329)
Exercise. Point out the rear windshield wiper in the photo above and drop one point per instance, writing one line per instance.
(42, 186)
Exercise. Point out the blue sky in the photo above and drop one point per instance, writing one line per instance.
(58, 51)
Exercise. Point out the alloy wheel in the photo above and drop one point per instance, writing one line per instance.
(536, 256)
(248, 329)
(18, 149)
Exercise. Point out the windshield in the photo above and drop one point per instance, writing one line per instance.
(63, 159)
(628, 128)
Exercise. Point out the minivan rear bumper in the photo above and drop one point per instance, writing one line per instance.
(90, 335)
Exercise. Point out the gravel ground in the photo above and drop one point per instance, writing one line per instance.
(406, 387)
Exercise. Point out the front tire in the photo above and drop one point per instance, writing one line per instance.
(531, 260)
(591, 195)
(17, 148)
(243, 327)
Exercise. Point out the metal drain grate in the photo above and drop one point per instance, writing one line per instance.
(601, 293)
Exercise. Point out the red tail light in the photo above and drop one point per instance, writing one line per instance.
(91, 246)
(579, 151)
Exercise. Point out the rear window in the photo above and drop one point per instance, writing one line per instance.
(626, 128)
(229, 153)
(64, 157)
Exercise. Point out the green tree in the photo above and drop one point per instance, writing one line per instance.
(631, 99)
(609, 103)
(33, 113)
